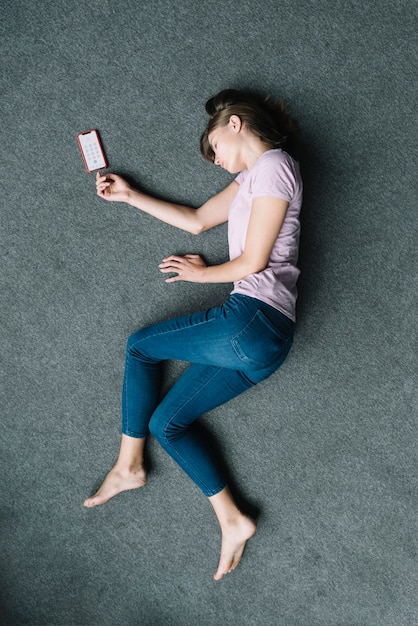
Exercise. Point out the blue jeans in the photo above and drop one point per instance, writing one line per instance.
(230, 348)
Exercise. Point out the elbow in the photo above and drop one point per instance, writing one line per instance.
(253, 266)
(259, 268)
(198, 228)
(247, 270)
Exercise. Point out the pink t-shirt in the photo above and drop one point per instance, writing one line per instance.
(275, 174)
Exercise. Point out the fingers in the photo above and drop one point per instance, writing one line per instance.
(106, 178)
(173, 279)
(176, 264)
(180, 260)
(173, 259)
(101, 177)
(103, 183)
(103, 190)
(171, 264)
(190, 267)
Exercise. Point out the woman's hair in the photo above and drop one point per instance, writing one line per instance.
(268, 119)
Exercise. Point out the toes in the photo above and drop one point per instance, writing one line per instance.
(90, 502)
(225, 567)
(236, 561)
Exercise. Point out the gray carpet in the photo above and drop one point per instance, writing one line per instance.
(324, 452)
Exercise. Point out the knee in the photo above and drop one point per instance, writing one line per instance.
(157, 427)
(133, 340)
(134, 345)
(163, 428)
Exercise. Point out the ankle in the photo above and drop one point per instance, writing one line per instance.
(131, 454)
(226, 509)
(232, 520)
(129, 467)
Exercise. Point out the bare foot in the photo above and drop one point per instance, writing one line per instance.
(234, 539)
(115, 482)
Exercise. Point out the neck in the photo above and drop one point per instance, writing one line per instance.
(253, 150)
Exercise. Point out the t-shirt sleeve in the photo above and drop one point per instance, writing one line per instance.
(241, 177)
(276, 178)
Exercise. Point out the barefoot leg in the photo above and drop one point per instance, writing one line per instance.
(128, 472)
(236, 529)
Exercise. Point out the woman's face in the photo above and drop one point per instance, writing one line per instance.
(226, 143)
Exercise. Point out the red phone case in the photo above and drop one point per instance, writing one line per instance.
(85, 132)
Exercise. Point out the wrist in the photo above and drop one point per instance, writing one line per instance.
(203, 278)
(129, 193)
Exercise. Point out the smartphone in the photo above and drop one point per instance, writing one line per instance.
(92, 150)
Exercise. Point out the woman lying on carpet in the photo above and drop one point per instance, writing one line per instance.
(232, 347)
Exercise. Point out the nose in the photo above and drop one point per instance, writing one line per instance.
(216, 160)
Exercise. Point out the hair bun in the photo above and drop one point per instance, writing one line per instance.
(222, 100)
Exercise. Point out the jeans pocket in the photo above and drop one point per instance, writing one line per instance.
(260, 344)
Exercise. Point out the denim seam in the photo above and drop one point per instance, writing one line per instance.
(197, 479)
(131, 433)
(175, 330)
(126, 430)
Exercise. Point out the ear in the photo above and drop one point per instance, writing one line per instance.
(235, 123)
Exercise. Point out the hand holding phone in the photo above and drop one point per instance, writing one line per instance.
(112, 187)
(92, 150)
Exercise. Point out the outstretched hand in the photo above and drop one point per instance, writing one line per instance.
(112, 187)
(190, 268)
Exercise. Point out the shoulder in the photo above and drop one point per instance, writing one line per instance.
(271, 161)
(275, 165)
(275, 159)
(275, 174)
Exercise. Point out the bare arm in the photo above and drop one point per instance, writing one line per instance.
(267, 216)
(213, 212)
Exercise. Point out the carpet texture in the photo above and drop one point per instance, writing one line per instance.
(324, 452)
